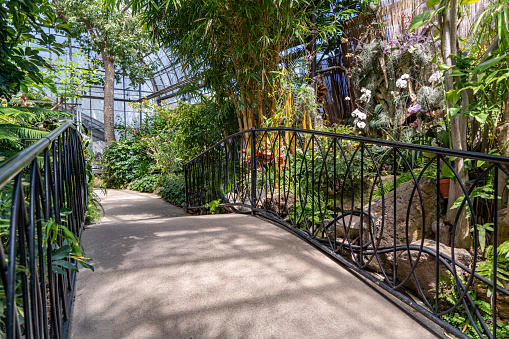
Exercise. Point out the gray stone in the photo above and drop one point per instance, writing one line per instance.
(282, 203)
(384, 210)
(445, 232)
(502, 300)
(503, 226)
(416, 221)
(347, 224)
(425, 269)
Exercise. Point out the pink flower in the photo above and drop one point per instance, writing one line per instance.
(142, 139)
(414, 109)
(415, 124)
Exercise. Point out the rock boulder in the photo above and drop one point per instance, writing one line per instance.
(421, 215)
(282, 203)
(425, 269)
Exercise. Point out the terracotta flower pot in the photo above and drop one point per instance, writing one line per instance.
(444, 187)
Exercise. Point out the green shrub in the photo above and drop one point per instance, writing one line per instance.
(173, 189)
(148, 183)
(176, 134)
(124, 162)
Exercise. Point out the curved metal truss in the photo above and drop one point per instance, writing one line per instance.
(367, 203)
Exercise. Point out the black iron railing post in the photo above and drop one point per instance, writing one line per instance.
(59, 183)
(253, 170)
(395, 249)
(186, 184)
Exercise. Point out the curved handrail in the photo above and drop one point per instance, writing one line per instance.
(46, 186)
(13, 166)
(498, 159)
(306, 181)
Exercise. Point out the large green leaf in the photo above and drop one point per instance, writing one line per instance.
(65, 264)
(432, 3)
(61, 253)
(490, 63)
(453, 95)
(447, 172)
(425, 17)
(481, 117)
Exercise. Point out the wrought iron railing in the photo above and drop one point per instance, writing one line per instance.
(43, 200)
(376, 206)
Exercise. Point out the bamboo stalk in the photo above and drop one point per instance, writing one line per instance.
(244, 111)
(260, 109)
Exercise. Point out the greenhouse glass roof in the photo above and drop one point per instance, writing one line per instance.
(160, 89)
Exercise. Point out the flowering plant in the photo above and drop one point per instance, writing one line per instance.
(398, 92)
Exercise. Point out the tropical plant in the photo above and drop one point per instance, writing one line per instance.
(173, 189)
(236, 48)
(67, 253)
(148, 183)
(475, 83)
(20, 61)
(176, 134)
(116, 35)
(20, 126)
(448, 296)
(125, 161)
(213, 206)
(400, 94)
(485, 268)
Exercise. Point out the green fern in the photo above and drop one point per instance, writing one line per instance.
(19, 125)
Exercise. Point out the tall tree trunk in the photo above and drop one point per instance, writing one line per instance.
(458, 127)
(109, 101)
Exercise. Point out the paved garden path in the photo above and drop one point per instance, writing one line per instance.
(161, 273)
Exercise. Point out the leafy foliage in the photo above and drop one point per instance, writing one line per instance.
(176, 134)
(125, 161)
(173, 189)
(147, 183)
(168, 137)
(485, 268)
(20, 125)
(114, 32)
(236, 49)
(66, 252)
(20, 62)
(213, 206)
(458, 318)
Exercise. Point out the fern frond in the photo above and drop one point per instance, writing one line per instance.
(46, 113)
(11, 115)
(21, 132)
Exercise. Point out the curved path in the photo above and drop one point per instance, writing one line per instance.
(162, 273)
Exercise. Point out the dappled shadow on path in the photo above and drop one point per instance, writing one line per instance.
(222, 276)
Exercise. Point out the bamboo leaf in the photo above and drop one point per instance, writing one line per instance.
(65, 264)
(61, 253)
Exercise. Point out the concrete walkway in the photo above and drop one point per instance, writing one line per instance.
(161, 273)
